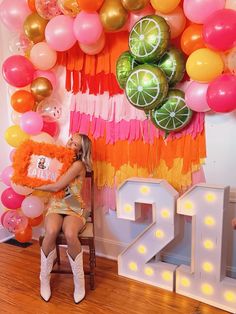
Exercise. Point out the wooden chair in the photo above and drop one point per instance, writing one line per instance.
(86, 237)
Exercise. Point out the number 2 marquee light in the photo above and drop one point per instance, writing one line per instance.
(205, 279)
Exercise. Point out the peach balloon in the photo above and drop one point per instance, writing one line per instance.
(43, 138)
(176, 20)
(42, 56)
(94, 48)
(15, 117)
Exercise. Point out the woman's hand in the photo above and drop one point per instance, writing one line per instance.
(234, 223)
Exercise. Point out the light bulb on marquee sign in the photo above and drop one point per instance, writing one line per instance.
(205, 279)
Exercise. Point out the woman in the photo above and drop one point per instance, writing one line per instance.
(67, 214)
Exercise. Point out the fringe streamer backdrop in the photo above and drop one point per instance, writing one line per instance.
(125, 143)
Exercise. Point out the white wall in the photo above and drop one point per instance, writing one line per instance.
(112, 234)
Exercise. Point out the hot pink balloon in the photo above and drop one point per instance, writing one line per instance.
(136, 16)
(31, 122)
(219, 30)
(198, 10)
(32, 206)
(14, 221)
(13, 14)
(59, 33)
(10, 199)
(48, 75)
(6, 175)
(50, 126)
(87, 27)
(195, 97)
(221, 93)
(18, 71)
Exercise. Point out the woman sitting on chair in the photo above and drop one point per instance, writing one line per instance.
(66, 214)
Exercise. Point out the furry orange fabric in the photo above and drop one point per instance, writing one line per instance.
(23, 159)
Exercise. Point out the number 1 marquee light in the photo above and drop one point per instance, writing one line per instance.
(205, 279)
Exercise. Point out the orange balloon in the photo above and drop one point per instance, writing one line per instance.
(176, 20)
(25, 235)
(31, 5)
(90, 5)
(33, 222)
(192, 39)
(22, 101)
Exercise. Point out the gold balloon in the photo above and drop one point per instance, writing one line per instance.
(34, 27)
(134, 5)
(113, 15)
(41, 88)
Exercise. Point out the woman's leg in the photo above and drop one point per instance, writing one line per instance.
(52, 225)
(71, 227)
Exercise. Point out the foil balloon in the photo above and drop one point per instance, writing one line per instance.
(134, 5)
(113, 15)
(149, 38)
(47, 9)
(34, 27)
(124, 65)
(173, 64)
(173, 114)
(69, 7)
(146, 87)
(41, 88)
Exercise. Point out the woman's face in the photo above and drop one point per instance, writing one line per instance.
(75, 142)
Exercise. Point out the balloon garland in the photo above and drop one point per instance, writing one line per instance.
(48, 31)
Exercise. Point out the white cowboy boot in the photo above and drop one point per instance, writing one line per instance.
(46, 268)
(78, 275)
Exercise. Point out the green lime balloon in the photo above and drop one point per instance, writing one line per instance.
(173, 64)
(124, 65)
(173, 114)
(149, 38)
(146, 86)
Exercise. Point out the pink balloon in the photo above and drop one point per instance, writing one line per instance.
(59, 33)
(22, 190)
(42, 56)
(219, 30)
(31, 122)
(221, 93)
(12, 152)
(32, 206)
(14, 221)
(50, 126)
(48, 75)
(198, 10)
(18, 71)
(6, 175)
(94, 48)
(87, 27)
(10, 199)
(13, 14)
(136, 16)
(195, 97)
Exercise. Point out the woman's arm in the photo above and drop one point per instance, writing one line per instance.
(77, 169)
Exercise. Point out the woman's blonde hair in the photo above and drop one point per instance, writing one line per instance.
(85, 154)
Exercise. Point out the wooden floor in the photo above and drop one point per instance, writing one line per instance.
(19, 290)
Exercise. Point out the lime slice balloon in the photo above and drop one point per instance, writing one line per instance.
(173, 64)
(124, 65)
(146, 87)
(149, 38)
(173, 114)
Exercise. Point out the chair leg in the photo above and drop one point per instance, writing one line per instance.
(92, 263)
(58, 255)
